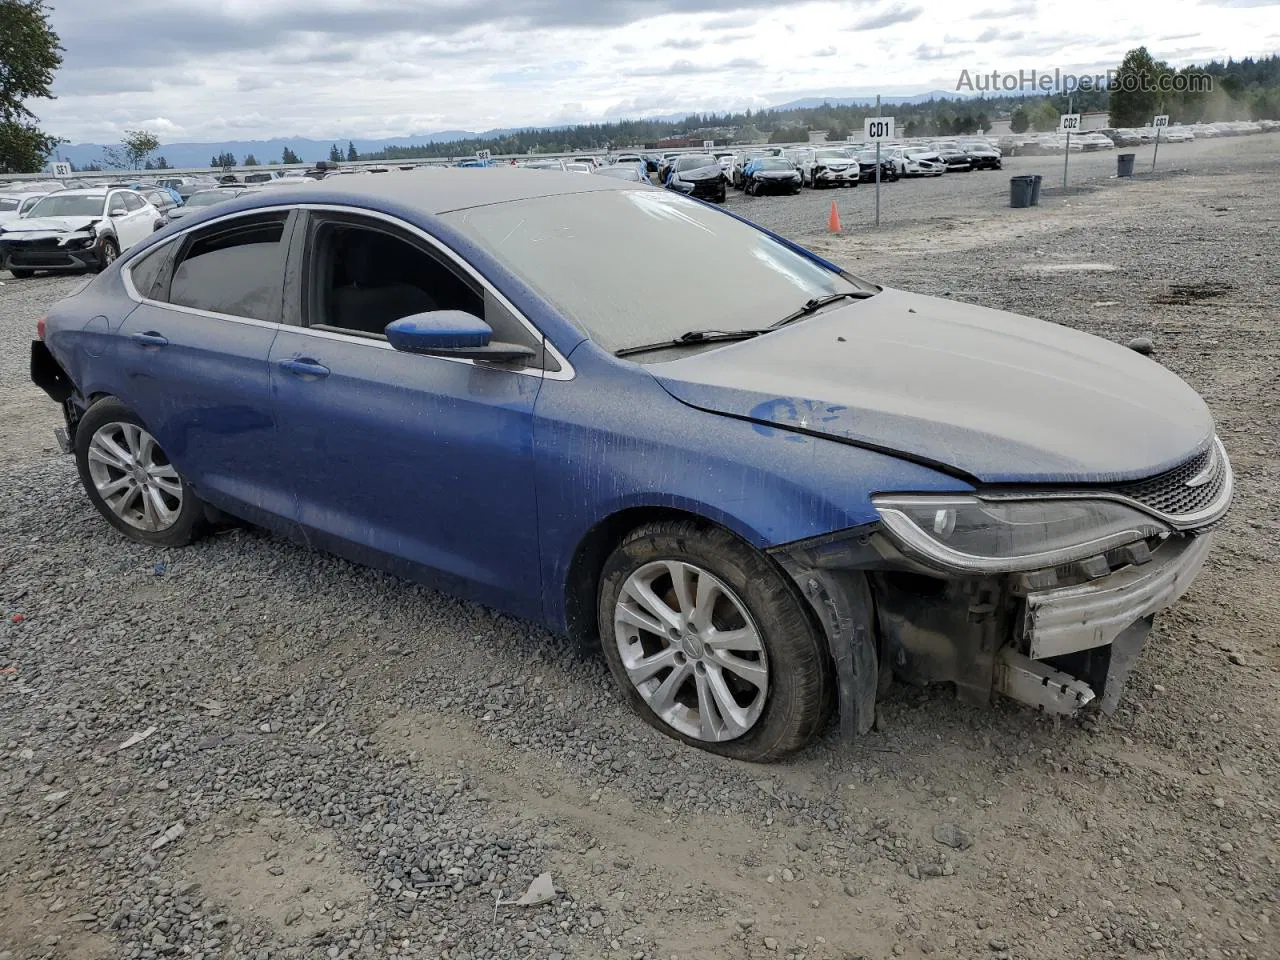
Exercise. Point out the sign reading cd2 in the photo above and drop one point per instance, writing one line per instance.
(877, 128)
(1069, 123)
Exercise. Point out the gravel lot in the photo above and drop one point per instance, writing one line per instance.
(243, 749)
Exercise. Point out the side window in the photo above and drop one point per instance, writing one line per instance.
(146, 271)
(234, 268)
(132, 201)
(363, 277)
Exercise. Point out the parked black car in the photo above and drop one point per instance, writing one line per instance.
(697, 175)
(982, 156)
(770, 175)
(954, 157)
(867, 167)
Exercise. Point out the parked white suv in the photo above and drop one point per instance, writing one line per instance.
(82, 229)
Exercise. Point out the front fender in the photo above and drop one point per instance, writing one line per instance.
(612, 440)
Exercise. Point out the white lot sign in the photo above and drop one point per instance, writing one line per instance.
(1160, 121)
(708, 144)
(877, 128)
(483, 154)
(1069, 123)
(61, 170)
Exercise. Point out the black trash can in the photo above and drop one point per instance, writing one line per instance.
(1035, 189)
(1124, 164)
(1020, 191)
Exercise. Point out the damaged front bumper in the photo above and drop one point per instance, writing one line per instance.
(1113, 613)
(1056, 639)
(73, 250)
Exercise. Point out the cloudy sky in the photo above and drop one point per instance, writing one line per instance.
(332, 69)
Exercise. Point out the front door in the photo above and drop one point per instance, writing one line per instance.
(417, 463)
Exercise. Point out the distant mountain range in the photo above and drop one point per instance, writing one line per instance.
(199, 153)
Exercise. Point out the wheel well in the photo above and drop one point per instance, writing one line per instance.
(582, 584)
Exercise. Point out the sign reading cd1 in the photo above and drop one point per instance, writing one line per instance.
(877, 128)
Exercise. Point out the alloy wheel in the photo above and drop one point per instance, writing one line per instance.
(134, 478)
(691, 650)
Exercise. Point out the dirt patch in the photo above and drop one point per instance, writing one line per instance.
(278, 872)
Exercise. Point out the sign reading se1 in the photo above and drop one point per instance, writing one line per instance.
(877, 128)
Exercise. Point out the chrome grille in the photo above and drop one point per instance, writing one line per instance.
(1168, 493)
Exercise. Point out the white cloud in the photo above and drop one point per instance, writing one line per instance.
(338, 69)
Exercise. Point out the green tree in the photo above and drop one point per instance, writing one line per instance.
(1133, 97)
(789, 135)
(135, 147)
(250, 160)
(1043, 118)
(335, 155)
(288, 156)
(351, 151)
(29, 56)
(1019, 121)
(224, 159)
(162, 163)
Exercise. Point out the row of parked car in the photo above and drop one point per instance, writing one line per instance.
(779, 169)
(1109, 138)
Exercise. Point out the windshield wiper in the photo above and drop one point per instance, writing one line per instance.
(817, 303)
(693, 336)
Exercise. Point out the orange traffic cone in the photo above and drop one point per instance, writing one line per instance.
(833, 221)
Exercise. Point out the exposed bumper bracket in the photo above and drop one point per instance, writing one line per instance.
(1040, 685)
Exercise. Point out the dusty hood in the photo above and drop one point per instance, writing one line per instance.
(50, 225)
(1003, 398)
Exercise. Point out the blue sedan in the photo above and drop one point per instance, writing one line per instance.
(762, 485)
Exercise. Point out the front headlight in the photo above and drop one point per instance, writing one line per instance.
(988, 536)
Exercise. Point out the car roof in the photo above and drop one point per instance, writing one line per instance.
(85, 191)
(441, 190)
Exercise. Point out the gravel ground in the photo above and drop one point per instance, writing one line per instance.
(244, 749)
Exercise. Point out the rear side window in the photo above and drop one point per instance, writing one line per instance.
(132, 201)
(236, 268)
(145, 272)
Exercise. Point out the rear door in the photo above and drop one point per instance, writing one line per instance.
(193, 358)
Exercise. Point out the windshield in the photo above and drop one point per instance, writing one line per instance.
(833, 153)
(71, 205)
(6, 203)
(774, 163)
(579, 251)
(696, 161)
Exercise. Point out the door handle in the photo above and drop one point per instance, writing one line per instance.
(151, 339)
(304, 367)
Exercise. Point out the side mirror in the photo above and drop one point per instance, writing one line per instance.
(452, 333)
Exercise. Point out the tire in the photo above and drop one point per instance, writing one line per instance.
(752, 599)
(20, 274)
(117, 423)
(108, 251)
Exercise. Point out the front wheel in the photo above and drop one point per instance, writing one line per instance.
(131, 480)
(711, 644)
(108, 251)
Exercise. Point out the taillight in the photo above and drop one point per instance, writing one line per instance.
(40, 328)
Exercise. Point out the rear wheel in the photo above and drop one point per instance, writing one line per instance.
(711, 644)
(131, 480)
